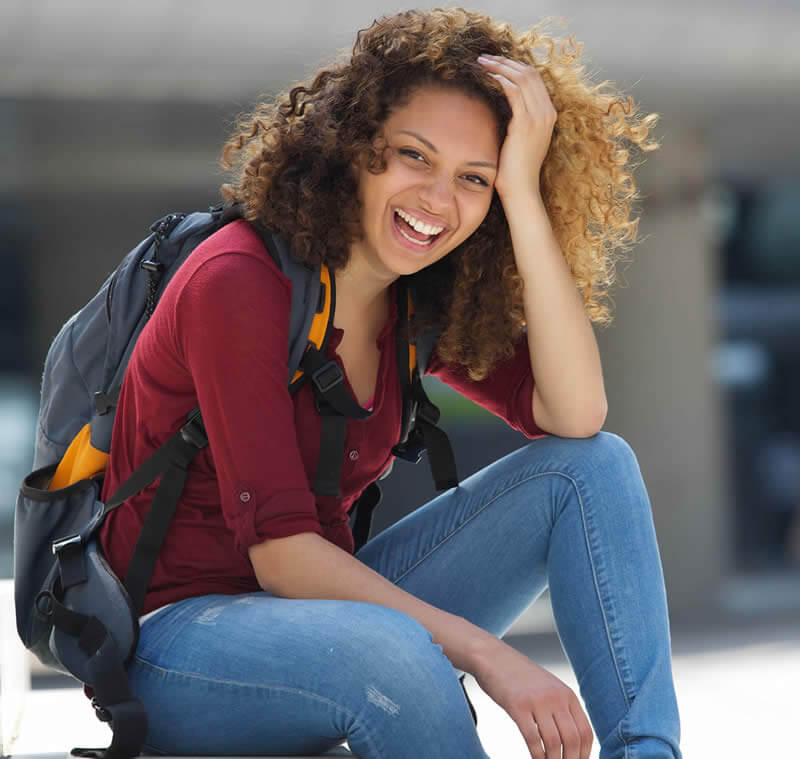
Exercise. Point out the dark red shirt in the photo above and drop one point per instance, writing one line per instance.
(219, 339)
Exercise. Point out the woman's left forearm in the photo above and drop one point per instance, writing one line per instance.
(565, 359)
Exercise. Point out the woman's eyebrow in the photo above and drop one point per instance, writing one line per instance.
(432, 148)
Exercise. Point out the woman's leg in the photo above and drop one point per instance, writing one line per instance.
(256, 674)
(573, 513)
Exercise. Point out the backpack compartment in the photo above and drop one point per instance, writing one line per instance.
(43, 519)
(103, 597)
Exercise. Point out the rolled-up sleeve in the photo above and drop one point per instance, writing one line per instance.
(231, 331)
(507, 392)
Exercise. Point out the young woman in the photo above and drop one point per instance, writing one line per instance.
(448, 151)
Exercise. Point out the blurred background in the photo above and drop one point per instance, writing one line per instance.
(113, 114)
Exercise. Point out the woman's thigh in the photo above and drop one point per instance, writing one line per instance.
(256, 674)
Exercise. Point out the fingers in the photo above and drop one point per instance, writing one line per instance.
(563, 734)
(533, 740)
(569, 737)
(521, 83)
(584, 728)
(550, 737)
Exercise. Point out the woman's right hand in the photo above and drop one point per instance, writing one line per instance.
(546, 711)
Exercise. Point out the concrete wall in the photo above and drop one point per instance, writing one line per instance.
(656, 359)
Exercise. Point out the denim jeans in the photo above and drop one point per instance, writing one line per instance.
(258, 674)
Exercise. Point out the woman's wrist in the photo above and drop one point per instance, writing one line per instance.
(479, 650)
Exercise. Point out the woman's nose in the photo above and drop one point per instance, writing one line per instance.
(436, 194)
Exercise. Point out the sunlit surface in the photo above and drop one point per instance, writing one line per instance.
(734, 695)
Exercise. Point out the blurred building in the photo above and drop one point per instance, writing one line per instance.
(113, 114)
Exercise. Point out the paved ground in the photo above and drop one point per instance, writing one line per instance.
(733, 679)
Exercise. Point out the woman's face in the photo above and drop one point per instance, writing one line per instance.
(441, 163)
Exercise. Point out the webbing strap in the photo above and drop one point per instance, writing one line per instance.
(335, 404)
(328, 381)
(151, 469)
(331, 453)
(181, 448)
(364, 507)
(419, 429)
(402, 351)
(106, 676)
(440, 455)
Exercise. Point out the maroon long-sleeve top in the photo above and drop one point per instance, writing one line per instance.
(219, 339)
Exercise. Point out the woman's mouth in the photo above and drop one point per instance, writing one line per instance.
(418, 235)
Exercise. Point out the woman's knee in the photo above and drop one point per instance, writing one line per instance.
(401, 667)
(395, 645)
(601, 469)
(605, 454)
(609, 451)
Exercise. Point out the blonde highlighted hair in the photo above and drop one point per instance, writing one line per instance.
(291, 160)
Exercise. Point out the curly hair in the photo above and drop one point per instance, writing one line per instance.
(291, 162)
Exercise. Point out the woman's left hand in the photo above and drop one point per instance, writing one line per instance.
(530, 129)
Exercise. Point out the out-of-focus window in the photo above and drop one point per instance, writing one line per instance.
(18, 404)
(758, 364)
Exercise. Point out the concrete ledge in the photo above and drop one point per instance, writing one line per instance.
(15, 675)
(61, 755)
(58, 719)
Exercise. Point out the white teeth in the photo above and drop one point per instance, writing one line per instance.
(416, 242)
(420, 226)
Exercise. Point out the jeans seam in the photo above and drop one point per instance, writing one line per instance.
(599, 591)
(597, 585)
(259, 686)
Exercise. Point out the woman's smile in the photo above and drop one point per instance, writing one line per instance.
(419, 234)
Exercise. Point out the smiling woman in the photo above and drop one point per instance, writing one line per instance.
(448, 168)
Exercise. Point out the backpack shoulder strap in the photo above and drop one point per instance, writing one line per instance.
(313, 301)
(420, 430)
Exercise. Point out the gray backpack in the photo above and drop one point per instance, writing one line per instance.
(72, 611)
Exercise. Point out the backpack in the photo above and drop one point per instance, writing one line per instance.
(72, 611)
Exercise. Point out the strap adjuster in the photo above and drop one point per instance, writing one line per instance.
(104, 402)
(193, 433)
(327, 376)
(71, 541)
(102, 713)
(427, 412)
(411, 450)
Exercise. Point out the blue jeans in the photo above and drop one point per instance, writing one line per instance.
(257, 674)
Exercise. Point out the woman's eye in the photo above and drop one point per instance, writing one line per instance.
(411, 154)
(475, 179)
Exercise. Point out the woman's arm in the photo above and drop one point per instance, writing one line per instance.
(307, 565)
(569, 398)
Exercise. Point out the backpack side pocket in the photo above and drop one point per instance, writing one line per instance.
(43, 517)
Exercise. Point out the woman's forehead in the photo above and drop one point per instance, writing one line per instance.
(446, 116)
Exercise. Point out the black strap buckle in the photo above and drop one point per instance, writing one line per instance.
(327, 376)
(427, 412)
(166, 224)
(104, 402)
(71, 541)
(102, 714)
(411, 450)
(193, 431)
(153, 267)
